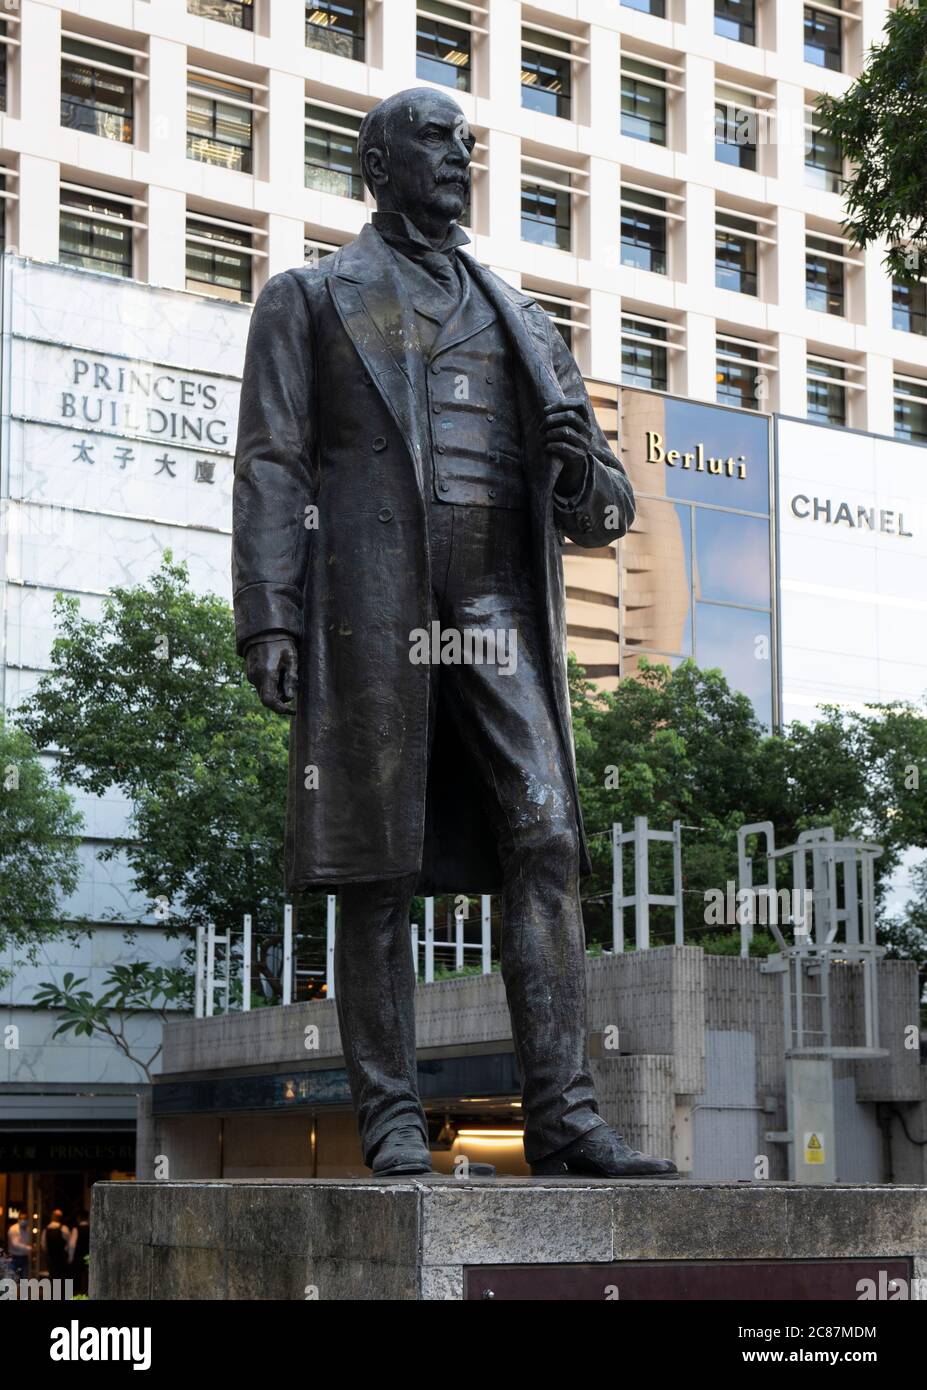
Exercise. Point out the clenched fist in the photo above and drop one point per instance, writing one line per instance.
(271, 665)
(567, 437)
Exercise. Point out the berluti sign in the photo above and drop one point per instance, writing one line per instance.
(695, 459)
(695, 452)
(697, 567)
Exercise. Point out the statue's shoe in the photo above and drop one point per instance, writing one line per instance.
(601, 1153)
(403, 1150)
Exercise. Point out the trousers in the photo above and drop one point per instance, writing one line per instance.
(504, 715)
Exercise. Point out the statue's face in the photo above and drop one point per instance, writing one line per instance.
(428, 163)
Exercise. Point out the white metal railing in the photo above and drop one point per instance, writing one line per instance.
(217, 953)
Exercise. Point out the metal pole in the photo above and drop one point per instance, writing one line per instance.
(415, 948)
(429, 941)
(200, 991)
(287, 982)
(246, 966)
(330, 946)
(487, 934)
(210, 967)
(458, 941)
(677, 880)
(641, 883)
(617, 890)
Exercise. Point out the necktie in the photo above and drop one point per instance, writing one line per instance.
(438, 265)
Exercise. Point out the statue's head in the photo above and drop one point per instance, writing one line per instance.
(414, 151)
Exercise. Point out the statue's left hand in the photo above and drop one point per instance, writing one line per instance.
(567, 437)
(271, 665)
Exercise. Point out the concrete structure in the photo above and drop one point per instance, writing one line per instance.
(453, 1239)
(687, 1054)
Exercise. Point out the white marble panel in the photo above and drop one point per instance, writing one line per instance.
(63, 305)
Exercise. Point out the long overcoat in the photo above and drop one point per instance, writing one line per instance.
(329, 544)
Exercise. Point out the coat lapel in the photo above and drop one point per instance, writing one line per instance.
(378, 317)
(531, 347)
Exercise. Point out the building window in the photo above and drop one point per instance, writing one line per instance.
(315, 251)
(337, 26)
(443, 50)
(547, 209)
(239, 13)
(643, 230)
(736, 129)
(827, 392)
(219, 259)
(644, 355)
(332, 164)
(220, 127)
(735, 255)
(825, 281)
(90, 234)
(560, 313)
(911, 410)
(545, 74)
(643, 104)
(736, 19)
(909, 306)
(738, 374)
(96, 99)
(823, 159)
(824, 37)
(655, 7)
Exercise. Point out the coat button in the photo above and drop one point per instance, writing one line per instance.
(436, 409)
(490, 418)
(493, 456)
(444, 487)
(385, 514)
(379, 443)
(489, 380)
(492, 492)
(436, 370)
(585, 523)
(442, 449)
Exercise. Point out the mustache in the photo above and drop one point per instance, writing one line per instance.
(462, 178)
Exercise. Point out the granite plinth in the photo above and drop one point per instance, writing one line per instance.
(437, 1238)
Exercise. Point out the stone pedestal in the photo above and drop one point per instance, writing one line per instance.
(446, 1238)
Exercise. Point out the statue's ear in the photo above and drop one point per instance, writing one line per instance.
(376, 168)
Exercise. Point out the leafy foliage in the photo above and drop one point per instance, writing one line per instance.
(138, 990)
(39, 838)
(681, 745)
(152, 699)
(881, 124)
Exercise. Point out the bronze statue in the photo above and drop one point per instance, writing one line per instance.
(415, 441)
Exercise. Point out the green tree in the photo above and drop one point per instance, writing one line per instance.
(681, 745)
(39, 839)
(138, 990)
(151, 698)
(906, 936)
(881, 124)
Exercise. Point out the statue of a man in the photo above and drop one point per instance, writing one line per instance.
(415, 441)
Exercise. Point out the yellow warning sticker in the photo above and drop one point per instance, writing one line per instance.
(814, 1148)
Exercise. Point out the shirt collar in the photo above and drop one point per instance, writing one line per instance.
(397, 229)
